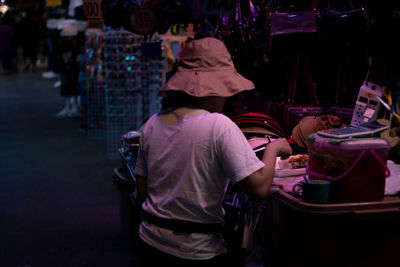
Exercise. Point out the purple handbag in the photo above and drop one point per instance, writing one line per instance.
(293, 22)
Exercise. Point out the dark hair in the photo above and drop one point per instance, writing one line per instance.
(175, 99)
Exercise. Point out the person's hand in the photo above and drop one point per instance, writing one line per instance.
(281, 147)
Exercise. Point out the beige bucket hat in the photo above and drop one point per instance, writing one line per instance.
(206, 69)
(311, 124)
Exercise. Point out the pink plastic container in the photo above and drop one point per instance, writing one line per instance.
(355, 166)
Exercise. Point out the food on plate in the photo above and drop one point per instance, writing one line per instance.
(294, 162)
(298, 161)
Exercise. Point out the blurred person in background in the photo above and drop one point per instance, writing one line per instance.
(6, 37)
(31, 34)
(54, 15)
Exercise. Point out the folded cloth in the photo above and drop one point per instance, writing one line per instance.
(287, 183)
(392, 186)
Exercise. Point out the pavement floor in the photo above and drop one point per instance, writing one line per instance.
(59, 206)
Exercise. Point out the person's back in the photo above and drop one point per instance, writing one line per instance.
(189, 154)
(192, 141)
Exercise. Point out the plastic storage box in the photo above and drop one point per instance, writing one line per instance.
(355, 166)
(343, 234)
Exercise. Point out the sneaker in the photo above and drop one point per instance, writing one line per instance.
(63, 113)
(49, 75)
(73, 112)
(57, 84)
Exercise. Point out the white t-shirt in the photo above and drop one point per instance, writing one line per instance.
(188, 168)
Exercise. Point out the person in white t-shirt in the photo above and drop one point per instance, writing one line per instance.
(189, 153)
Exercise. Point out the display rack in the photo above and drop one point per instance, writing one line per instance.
(133, 78)
(95, 82)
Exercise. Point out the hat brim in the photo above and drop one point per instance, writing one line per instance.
(220, 82)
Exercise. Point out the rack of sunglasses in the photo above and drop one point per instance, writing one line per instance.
(133, 78)
(95, 82)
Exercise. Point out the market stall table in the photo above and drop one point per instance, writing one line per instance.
(340, 234)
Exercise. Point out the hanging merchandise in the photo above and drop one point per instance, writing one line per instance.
(95, 84)
(291, 23)
(240, 41)
(217, 7)
(117, 13)
(344, 23)
(150, 16)
(170, 12)
(343, 31)
(135, 70)
(338, 109)
(294, 112)
(53, 3)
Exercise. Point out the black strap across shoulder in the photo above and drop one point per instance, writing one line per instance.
(183, 226)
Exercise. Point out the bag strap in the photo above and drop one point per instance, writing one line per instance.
(309, 80)
(183, 226)
(301, 57)
(346, 172)
(293, 79)
(369, 70)
(338, 82)
(247, 19)
(274, 4)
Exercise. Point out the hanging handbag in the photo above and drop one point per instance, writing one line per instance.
(338, 108)
(291, 25)
(345, 23)
(292, 112)
(240, 42)
(293, 21)
(345, 113)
